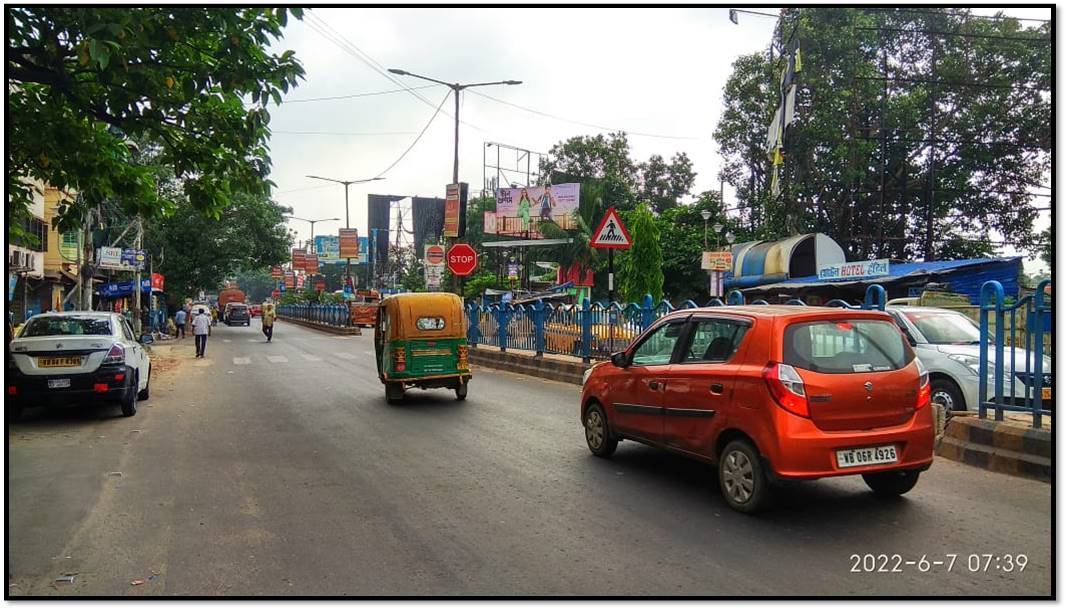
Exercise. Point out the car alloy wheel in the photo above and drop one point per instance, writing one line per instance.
(944, 399)
(738, 476)
(594, 429)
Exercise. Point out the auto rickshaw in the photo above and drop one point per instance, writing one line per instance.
(420, 340)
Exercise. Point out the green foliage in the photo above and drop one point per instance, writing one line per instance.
(257, 283)
(642, 265)
(992, 142)
(665, 184)
(476, 284)
(681, 238)
(83, 79)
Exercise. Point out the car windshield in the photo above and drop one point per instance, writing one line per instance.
(946, 327)
(52, 326)
(846, 346)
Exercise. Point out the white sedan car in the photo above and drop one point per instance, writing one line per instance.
(77, 357)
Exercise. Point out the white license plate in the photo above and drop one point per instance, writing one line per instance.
(851, 458)
(58, 383)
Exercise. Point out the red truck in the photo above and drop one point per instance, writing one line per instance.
(230, 295)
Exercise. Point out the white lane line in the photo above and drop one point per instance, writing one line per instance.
(238, 360)
(311, 358)
(346, 355)
(254, 340)
(277, 359)
(227, 340)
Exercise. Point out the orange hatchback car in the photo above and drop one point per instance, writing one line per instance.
(769, 392)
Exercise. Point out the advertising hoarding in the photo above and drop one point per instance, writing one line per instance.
(455, 210)
(348, 244)
(518, 210)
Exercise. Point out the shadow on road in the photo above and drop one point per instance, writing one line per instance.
(424, 400)
(41, 418)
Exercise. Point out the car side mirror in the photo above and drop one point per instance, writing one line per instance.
(620, 360)
(147, 340)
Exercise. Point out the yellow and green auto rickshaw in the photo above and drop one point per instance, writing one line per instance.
(420, 340)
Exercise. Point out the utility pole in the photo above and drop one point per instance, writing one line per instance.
(137, 280)
(346, 183)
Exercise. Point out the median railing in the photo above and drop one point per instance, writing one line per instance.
(592, 330)
(328, 315)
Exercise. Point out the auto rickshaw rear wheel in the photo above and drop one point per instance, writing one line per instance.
(394, 392)
(461, 391)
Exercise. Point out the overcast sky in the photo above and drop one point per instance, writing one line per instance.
(645, 71)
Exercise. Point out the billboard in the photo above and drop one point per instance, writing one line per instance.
(519, 210)
(298, 259)
(311, 262)
(348, 243)
(328, 247)
(455, 210)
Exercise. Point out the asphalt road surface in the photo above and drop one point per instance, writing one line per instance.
(280, 470)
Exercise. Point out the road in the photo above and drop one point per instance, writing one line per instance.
(279, 469)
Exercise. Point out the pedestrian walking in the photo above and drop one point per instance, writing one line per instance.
(201, 327)
(268, 320)
(179, 323)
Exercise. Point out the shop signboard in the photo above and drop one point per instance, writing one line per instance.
(348, 244)
(855, 270)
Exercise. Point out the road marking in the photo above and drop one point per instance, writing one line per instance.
(369, 353)
(237, 360)
(254, 340)
(346, 355)
(277, 359)
(226, 340)
(311, 358)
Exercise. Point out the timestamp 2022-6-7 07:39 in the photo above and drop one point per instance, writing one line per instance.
(894, 563)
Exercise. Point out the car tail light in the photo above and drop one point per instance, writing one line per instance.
(12, 390)
(120, 377)
(787, 388)
(117, 355)
(923, 397)
(399, 360)
(99, 387)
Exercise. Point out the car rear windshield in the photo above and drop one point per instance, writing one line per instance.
(47, 327)
(846, 346)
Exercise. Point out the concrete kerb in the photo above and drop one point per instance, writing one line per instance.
(1010, 447)
(336, 330)
(553, 368)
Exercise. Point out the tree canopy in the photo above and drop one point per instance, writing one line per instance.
(922, 163)
(82, 80)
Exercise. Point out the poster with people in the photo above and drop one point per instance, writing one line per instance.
(520, 210)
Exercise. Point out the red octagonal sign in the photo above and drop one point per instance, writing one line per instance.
(462, 259)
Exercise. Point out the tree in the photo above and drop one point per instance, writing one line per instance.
(642, 264)
(921, 165)
(665, 184)
(681, 238)
(82, 79)
(257, 284)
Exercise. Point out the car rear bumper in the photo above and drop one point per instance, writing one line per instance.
(33, 390)
(806, 452)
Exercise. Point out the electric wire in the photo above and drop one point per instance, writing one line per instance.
(417, 138)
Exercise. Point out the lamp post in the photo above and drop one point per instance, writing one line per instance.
(312, 222)
(705, 214)
(456, 87)
(718, 233)
(348, 261)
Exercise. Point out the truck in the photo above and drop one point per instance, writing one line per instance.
(231, 294)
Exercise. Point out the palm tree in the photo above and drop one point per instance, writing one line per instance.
(590, 209)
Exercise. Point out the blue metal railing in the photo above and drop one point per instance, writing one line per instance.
(590, 330)
(1030, 389)
(331, 315)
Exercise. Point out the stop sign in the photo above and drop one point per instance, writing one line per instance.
(435, 255)
(462, 259)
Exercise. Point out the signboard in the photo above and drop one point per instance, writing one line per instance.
(434, 276)
(513, 271)
(109, 258)
(328, 248)
(363, 241)
(435, 255)
(290, 280)
(320, 284)
(299, 281)
(299, 256)
(462, 259)
(489, 223)
(611, 233)
(855, 270)
(717, 261)
(455, 210)
(134, 259)
(348, 244)
(157, 282)
(12, 281)
(276, 273)
(276, 293)
(311, 262)
(518, 210)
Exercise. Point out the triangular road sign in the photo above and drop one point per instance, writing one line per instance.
(611, 233)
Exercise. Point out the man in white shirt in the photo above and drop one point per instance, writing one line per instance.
(201, 325)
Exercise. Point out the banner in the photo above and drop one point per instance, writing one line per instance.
(299, 256)
(348, 244)
(311, 262)
(133, 259)
(513, 271)
(455, 210)
(855, 270)
(717, 261)
(299, 281)
(290, 280)
(518, 210)
(489, 223)
(109, 258)
(328, 247)
(276, 273)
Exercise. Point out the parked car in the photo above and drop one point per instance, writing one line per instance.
(236, 313)
(947, 342)
(768, 393)
(77, 357)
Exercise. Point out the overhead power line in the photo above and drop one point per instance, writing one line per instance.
(331, 98)
(345, 133)
(566, 120)
(417, 138)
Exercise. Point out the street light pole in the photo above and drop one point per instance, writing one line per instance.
(348, 225)
(456, 88)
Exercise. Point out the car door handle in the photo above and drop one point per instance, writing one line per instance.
(716, 388)
(653, 385)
